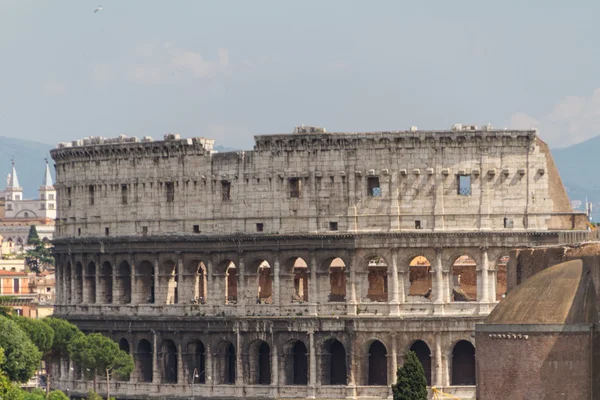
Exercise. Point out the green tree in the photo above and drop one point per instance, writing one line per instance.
(40, 333)
(57, 395)
(35, 394)
(411, 383)
(40, 254)
(64, 333)
(33, 238)
(93, 395)
(101, 355)
(22, 356)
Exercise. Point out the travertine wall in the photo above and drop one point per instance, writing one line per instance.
(136, 188)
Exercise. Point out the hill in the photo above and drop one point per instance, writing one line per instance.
(29, 161)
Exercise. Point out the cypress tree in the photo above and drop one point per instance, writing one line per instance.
(411, 383)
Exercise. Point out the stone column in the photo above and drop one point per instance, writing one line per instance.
(438, 377)
(312, 286)
(209, 363)
(394, 303)
(84, 288)
(483, 295)
(134, 296)
(241, 288)
(312, 376)
(439, 280)
(180, 377)
(116, 295)
(72, 292)
(276, 280)
(100, 295)
(394, 364)
(214, 293)
(182, 292)
(155, 355)
(274, 366)
(239, 371)
(351, 287)
(157, 289)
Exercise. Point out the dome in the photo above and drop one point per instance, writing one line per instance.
(562, 294)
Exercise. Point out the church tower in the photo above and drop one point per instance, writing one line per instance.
(47, 196)
(13, 193)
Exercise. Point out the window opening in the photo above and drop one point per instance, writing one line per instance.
(464, 185)
(226, 190)
(124, 194)
(333, 226)
(373, 187)
(196, 228)
(170, 192)
(91, 189)
(260, 227)
(295, 188)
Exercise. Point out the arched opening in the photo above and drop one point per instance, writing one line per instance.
(463, 364)
(300, 272)
(124, 282)
(90, 283)
(260, 364)
(419, 280)
(78, 283)
(464, 279)
(334, 363)
(265, 283)
(196, 362)
(337, 280)
(143, 361)
(296, 363)
(198, 272)
(144, 282)
(377, 364)
(231, 282)
(501, 267)
(169, 361)
(106, 283)
(225, 364)
(170, 279)
(378, 279)
(124, 345)
(67, 279)
(423, 353)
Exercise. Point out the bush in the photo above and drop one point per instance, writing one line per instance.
(35, 394)
(93, 396)
(411, 383)
(22, 356)
(57, 395)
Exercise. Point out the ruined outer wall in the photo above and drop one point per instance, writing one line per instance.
(173, 185)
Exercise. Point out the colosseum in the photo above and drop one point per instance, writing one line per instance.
(304, 268)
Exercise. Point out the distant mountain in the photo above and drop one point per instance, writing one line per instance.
(29, 161)
(223, 149)
(578, 166)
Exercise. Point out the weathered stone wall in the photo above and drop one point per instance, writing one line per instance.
(180, 186)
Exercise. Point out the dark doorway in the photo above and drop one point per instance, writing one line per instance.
(463, 364)
(300, 363)
(423, 353)
(169, 354)
(197, 362)
(124, 345)
(144, 361)
(334, 364)
(124, 283)
(106, 283)
(377, 364)
(264, 364)
(145, 282)
(229, 373)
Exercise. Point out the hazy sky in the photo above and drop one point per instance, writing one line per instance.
(232, 69)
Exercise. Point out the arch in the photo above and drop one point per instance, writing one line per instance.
(196, 361)
(260, 363)
(299, 279)
(377, 279)
(123, 282)
(90, 283)
(106, 283)
(377, 364)
(296, 363)
(421, 349)
(169, 355)
(143, 361)
(144, 282)
(501, 268)
(169, 279)
(231, 280)
(78, 283)
(337, 280)
(265, 282)
(463, 364)
(197, 270)
(419, 283)
(333, 363)
(124, 345)
(68, 280)
(225, 362)
(464, 279)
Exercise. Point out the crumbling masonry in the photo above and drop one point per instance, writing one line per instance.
(304, 268)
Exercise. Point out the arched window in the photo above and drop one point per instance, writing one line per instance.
(106, 284)
(334, 363)
(196, 362)
(78, 283)
(124, 345)
(300, 272)
(225, 364)
(378, 279)
(377, 364)
(144, 282)
(423, 353)
(260, 364)
(265, 283)
(337, 280)
(143, 361)
(90, 283)
(464, 279)
(124, 283)
(228, 268)
(169, 361)
(463, 364)
(296, 363)
(170, 280)
(419, 283)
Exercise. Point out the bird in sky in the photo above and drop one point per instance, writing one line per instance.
(99, 8)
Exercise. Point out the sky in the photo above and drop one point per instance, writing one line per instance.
(229, 70)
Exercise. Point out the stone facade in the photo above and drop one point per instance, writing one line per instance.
(304, 268)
